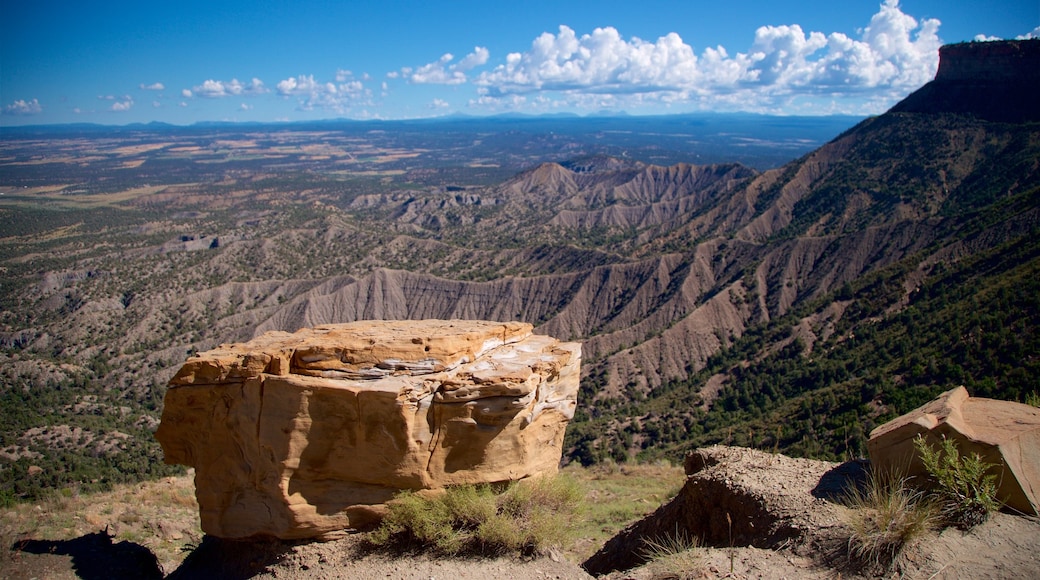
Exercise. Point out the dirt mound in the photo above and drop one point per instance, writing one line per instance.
(762, 515)
(738, 497)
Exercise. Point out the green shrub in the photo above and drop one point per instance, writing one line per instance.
(1033, 399)
(966, 492)
(526, 517)
(885, 516)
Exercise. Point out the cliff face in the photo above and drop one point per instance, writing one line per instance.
(995, 81)
(1005, 61)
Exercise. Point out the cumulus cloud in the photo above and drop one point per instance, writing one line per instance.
(336, 96)
(153, 87)
(439, 104)
(23, 107)
(894, 54)
(1034, 33)
(444, 72)
(122, 106)
(214, 89)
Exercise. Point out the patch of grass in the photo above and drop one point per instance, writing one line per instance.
(619, 495)
(527, 517)
(964, 485)
(672, 556)
(886, 515)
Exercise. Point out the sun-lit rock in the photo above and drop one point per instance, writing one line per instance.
(1004, 433)
(297, 435)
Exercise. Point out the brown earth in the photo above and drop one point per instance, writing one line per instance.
(792, 506)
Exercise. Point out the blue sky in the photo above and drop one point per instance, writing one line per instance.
(119, 62)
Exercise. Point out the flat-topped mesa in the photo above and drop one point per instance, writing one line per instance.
(994, 81)
(300, 434)
(1005, 60)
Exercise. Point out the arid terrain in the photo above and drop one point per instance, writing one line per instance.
(154, 530)
(770, 289)
(791, 308)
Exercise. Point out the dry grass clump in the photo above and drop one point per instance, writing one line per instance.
(886, 516)
(526, 518)
(673, 556)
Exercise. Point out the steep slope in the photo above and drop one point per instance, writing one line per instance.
(895, 197)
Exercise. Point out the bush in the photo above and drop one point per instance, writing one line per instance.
(886, 516)
(528, 517)
(966, 492)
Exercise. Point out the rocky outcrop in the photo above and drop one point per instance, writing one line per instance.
(297, 435)
(1004, 433)
(995, 81)
(997, 61)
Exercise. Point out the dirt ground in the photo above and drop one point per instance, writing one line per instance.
(116, 536)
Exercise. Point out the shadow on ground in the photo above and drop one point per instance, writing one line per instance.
(836, 483)
(95, 557)
(231, 559)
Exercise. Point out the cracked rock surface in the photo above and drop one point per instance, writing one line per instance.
(298, 435)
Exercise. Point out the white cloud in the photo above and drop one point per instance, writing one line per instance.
(122, 106)
(156, 105)
(214, 89)
(23, 107)
(442, 72)
(296, 86)
(439, 104)
(245, 107)
(312, 94)
(153, 87)
(1034, 33)
(478, 57)
(894, 54)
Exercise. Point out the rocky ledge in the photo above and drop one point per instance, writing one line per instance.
(297, 435)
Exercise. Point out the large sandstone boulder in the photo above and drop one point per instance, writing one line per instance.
(1003, 433)
(297, 435)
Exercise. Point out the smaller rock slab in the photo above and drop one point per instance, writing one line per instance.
(1004, 433)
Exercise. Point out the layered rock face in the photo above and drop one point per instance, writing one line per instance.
(995, 81)
(1004, 433)
(297, 435)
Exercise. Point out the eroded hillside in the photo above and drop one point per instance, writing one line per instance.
(789, 308)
